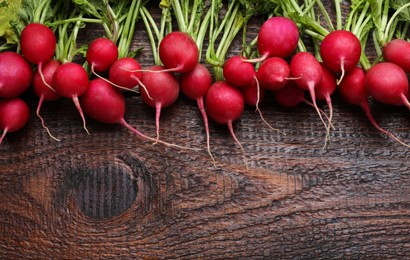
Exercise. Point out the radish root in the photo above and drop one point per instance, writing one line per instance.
(40, 102)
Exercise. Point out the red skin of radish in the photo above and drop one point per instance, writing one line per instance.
(101, 54)
(106, 104)
(353, 90)
(273, 73)
(224, 103)
(126, 72)
(162, 86)
(15, 75)
(340, 50)
(278, 37)
(70, 80)
(290, 95)
(14, 115)
(237, 72)
(307, 72)
(178, 52)
(250, 93)
(40, 89)
(195, 84)
(37, 43)
(103, 102)
(328, 85)
(353, 87)
(43, 91)
(397, 51)
(388, 84)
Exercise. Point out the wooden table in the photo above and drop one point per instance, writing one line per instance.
(112, 195)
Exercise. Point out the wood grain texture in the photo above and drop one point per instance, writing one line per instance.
(74, 199)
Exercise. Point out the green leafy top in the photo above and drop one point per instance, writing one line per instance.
(8, 19)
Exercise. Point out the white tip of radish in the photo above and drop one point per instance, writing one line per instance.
(3, 135)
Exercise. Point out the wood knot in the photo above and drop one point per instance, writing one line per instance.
(106, 193)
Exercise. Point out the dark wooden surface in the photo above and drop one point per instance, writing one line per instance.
(112, 195)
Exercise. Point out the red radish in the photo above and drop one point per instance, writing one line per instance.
(162, 86)
(195, 84)
(290, 95)
(106, 104)
(273, 73)
(44, 92)
(15, 75)
(398, 51)
(101, 54)
(178, 52)
(253, 95)
(353, 90)
(237, 72)
(14, 115)
(277, 37)
(388, 83)
(126, 73)
(38, 44)
(340, 51)
(323, 92)
(70, 80)
(225, 104)
(307, 72)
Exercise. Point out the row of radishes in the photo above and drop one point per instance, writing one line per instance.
(159, 86)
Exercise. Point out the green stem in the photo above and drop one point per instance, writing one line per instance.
(39, 10)
(145, 18)
(193, 19)
(389, 25)
(179, 15)
(338, 15)
(73, 20)
(326, 15)
(359, 23)
(128, 30)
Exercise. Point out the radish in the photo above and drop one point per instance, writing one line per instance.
(106, 104)
(307, 72)
(273, 73)
(195, 84)
(70, 80)
(225, 104)
(125, 73)
(323, 92)
(277, 37)
(15, 74)
(101, 54)
(340, 51)
(398, 51)
(388, 84)
(38, 44)
(253, 95)
(178, 52)
(163, 88)
(237, 72)
(353, 90)
(44, 92)
(14, 115)
(290, 95)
